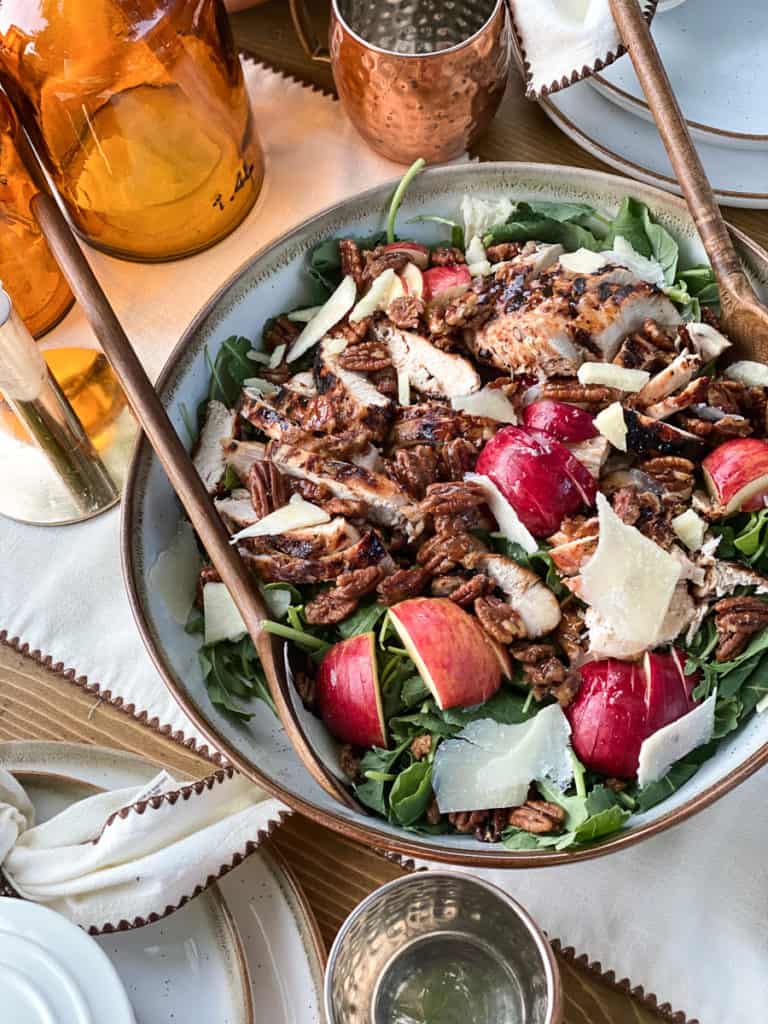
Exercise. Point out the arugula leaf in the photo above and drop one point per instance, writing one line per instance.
(601, 824)
(531, 227)
(664, 248)
(228, 371)
(411, 793)
(727, 716)
(755, 689)
(563, 212)
(232, 673)
(363, 620)
(427, 719)
(505, 707)
(677, 776)
(413, 691)
(518, 839)
(629, 222)
(377, 763)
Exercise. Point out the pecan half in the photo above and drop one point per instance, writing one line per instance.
(736, 620)
(402, 584)
(530, 653)
(503, 251)
(446, 256)
(280, 331)
(571, 633)
(499, 620)
(443, 552)
(469, 590)
(406, 312)
(593, 397)
(537, 816)
(674, 474)
(458, 457)
(365, 357)
(266, 488)
(421, 746)
(415, 468)
(351, 260)
(449, 498)
(468, 821)
(336, 604)
(378, 260)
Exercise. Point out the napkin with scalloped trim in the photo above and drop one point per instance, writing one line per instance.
(562, 41)
(123, 858)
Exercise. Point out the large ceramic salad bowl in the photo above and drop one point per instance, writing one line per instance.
(273, 282)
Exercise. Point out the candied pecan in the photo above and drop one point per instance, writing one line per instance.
(421, 746)
(503, 251)
(353, 332)
(730, 426)
(304, 685)
(385, 381)
(537, 816)
(208, 574)
(405, 312)
(378, 260)
(433, 814)
(309, 491)
(467, 310)
(726, 395)
(499, 620)
(351, 260)
(280, 331)
(445, 586)
(543, 675)
(365, 357)
(443, 552)
(415, 468)
(492, 830)
(446, 499)
(574, 528)
(446, 256)
(674, 474)
(458, 457)
(640, 353)
(470, 519)
(701, 428)
(593, 397)
(469, 590)
(402, 584)
(258, 484)
(571, 634)
(564, 693)
(340, 601)
(349, 761)
(468, 821)
(737, 619)
(529, 653)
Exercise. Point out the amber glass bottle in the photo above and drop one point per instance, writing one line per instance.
(139, 112)
(28, 271)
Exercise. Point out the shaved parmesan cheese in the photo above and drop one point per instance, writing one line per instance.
(335, 346)
(260, 386)
(475, 251)
(583, 261)
(626, 255)
(501, 510)
(629, 581)
(609, 376)
(403, 386)
(277, 356)
(298, 514)
(329, 314)
(707, 341)
(491, 765)
(175, 573)
(480, 215)
(209, 453)
(303, 316)
(259, 357)
(489, 402)
(222, 619)
(746, 371)
(378, 296)
(480, 269)
(672, 742)
(690, 528)
(611, 424)
(762, 704)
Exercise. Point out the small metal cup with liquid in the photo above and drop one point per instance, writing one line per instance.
(441, 947)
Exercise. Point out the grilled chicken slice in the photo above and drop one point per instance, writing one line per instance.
(303, 383)
(550, 328)
(388, 504)
(317, 542)
(693, 394)
(722, 578)
(237, 510)
(653, 435)
(266, 416)
(435, 424)
(363, 403)
(429, 370)
(535, 258)
(571, 556)
(278, 567)
(209, 457)
(591, 453)
(673, 377)
(241, 455)
(533, 601)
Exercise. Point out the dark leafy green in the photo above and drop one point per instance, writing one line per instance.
(411, 793)
(233, 676)
(325, 262)
(228, 370)
(363, 620)
(677, 776)
(376, 769)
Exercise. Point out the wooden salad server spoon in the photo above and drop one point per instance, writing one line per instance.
(744, 317)
(187, 484)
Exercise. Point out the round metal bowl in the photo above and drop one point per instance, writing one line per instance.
(274, 281)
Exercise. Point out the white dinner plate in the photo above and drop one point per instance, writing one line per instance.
(716, 55)
(246, 951)
(632, 145)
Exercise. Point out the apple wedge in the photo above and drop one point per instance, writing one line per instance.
(441, 284)
(413, 280)
(449, 649)
(562, 421)
(736, 474)
(416, 253)
(348, 693)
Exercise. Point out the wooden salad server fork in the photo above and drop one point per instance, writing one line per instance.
(185, 481)
(744, 317)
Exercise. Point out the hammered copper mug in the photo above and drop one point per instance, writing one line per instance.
(417, 78)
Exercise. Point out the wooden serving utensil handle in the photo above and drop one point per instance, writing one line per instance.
(180, 470)
(672, 126)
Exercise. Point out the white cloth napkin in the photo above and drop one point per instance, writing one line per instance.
(126, 855)
(61, 590)
(562, 40)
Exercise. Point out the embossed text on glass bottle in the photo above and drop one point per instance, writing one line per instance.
(138, 110)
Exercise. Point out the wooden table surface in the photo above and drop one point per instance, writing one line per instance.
(336, 874)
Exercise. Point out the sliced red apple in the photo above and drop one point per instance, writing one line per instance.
(560, 420)
(538, 476)
(441, 284)
(348, 693)
(736, 474)
(418, 254)
(449, 649)
(413, 280)
(668, 690)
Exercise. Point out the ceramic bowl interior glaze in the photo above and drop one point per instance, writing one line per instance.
(274, 281)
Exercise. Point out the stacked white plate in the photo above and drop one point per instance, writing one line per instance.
(716, 55)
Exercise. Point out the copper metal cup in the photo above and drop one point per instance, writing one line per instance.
(416, 78)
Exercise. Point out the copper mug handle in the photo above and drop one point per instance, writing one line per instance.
(302, 22)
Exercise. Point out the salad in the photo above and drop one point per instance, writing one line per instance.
(506, 504)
